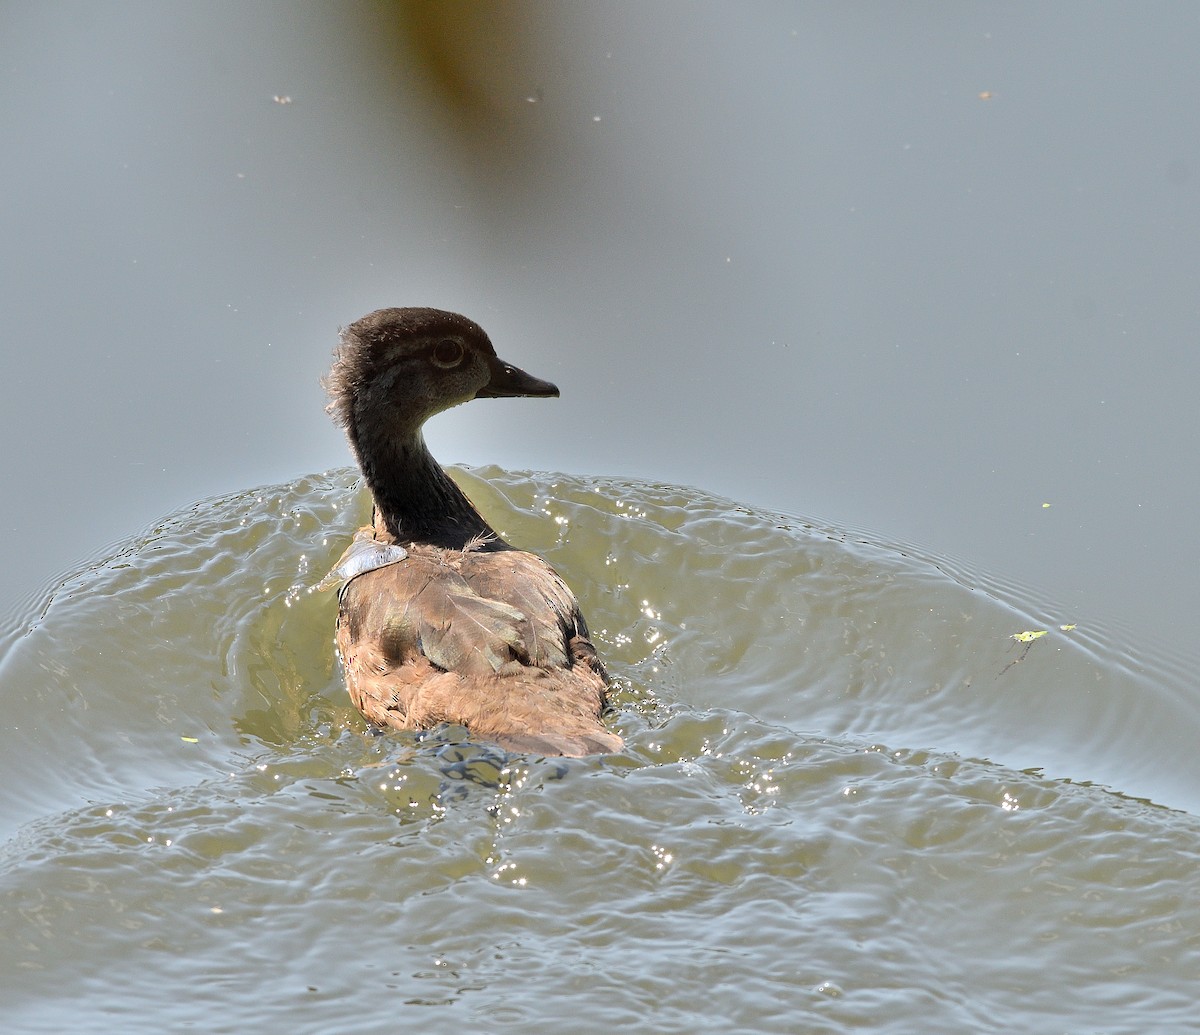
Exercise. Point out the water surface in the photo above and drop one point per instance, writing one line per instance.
(849, 799)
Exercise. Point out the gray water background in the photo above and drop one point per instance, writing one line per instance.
(784, 253)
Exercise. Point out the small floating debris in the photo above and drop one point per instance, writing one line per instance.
(1029, 637)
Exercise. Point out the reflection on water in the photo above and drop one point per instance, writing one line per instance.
(841, 804)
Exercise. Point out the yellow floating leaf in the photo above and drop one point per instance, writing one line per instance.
(1067, 628)
(1045, 506)
(190, 740)
(1029, 636)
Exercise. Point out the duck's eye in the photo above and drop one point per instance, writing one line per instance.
(448, 353)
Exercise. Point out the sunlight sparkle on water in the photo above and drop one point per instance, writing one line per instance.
(519, 882)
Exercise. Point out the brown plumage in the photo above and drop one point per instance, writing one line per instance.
(440, 619)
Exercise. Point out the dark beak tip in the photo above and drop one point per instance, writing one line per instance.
(509, 381)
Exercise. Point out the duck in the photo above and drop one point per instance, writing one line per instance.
(439, 619)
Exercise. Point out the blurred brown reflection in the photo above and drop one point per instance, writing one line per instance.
(496, 75)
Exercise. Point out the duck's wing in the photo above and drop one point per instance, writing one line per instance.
(422, 606)
(461, 631)
(554, 631)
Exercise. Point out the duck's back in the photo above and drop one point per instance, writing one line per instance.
(492, 640)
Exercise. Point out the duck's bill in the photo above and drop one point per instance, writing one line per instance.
(508, 381)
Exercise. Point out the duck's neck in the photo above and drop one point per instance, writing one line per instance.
(415, 500)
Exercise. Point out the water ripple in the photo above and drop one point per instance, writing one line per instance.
(849, 798)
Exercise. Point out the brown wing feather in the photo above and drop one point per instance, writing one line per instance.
(493, 641)
(460, 631)
(527, 582)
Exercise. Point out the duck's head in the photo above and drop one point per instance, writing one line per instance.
(396, 368)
